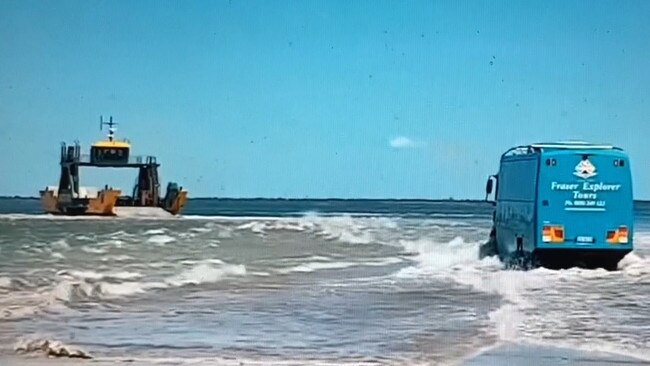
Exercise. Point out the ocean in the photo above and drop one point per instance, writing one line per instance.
(300, 282)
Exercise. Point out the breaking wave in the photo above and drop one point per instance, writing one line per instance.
(432, 256)
(20, 299)
(539, 306)
(160, 239)
(323, 265)
(90, 284)
(206, 273)
(346, 228)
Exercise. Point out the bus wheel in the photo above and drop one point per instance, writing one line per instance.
(489, 248)
(523, 261)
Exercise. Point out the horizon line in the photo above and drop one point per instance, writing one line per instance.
(450, 199)
(294, 198)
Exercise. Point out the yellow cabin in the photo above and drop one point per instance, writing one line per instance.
(110, 151)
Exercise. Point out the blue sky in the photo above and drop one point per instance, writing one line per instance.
(375, 99)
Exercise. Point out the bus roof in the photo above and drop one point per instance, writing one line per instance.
(555, 146)
(573, 145)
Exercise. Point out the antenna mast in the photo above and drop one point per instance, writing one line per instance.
(110, 123)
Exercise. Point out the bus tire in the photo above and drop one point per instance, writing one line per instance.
(489, 248)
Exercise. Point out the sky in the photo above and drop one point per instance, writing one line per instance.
(319, 99)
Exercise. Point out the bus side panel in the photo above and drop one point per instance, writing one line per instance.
(515, 209)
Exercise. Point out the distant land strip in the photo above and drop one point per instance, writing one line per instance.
(441, 200)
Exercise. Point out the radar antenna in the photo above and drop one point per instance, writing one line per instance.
(110, 123)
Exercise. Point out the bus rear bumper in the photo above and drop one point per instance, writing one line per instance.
(561, 258)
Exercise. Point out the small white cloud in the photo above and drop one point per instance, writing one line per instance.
(402, 142)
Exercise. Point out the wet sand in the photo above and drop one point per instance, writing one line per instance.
(534, 355)
(19, 360)
(507, 355)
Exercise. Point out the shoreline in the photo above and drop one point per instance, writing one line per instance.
(505, 354)
(542, 355)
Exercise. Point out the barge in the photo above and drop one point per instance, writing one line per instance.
(70, 198)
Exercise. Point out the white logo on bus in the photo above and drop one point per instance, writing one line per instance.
(585, 169)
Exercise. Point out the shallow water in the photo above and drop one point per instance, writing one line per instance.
(313, 288)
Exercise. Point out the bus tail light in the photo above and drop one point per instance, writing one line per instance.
(553, 233)
(618, 236)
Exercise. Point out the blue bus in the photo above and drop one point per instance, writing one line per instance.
(560, 205)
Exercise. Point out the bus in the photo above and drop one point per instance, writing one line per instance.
(563, 204)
